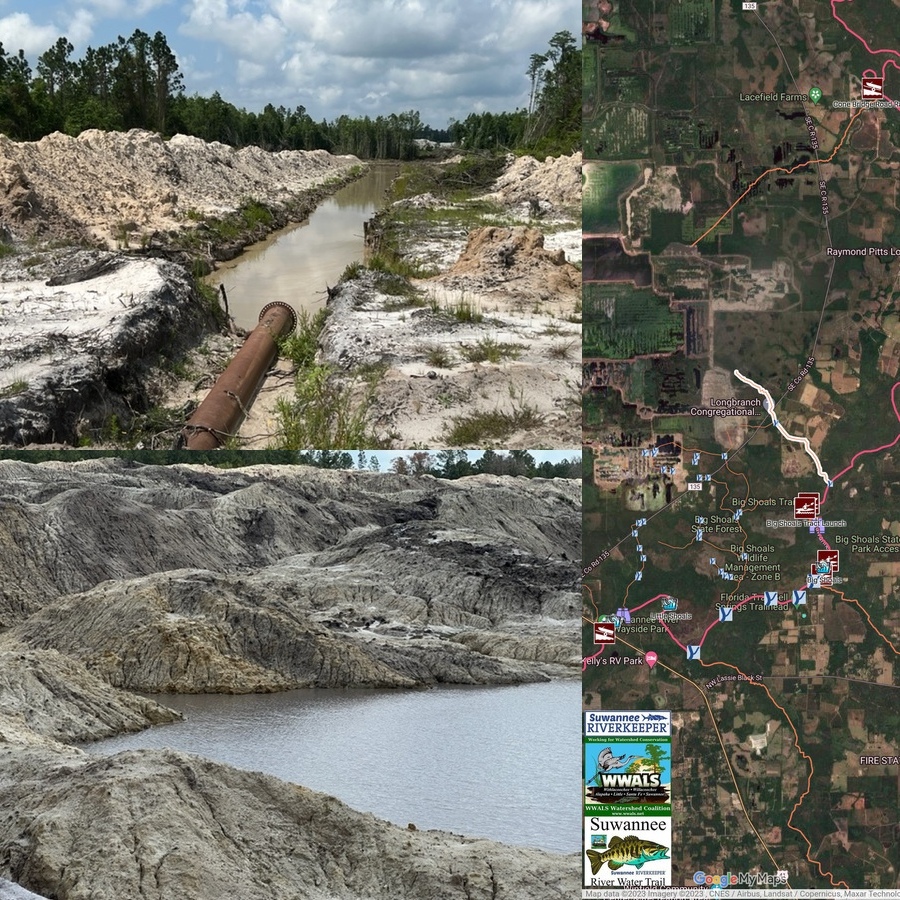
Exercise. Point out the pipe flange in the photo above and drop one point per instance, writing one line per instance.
(288, 307)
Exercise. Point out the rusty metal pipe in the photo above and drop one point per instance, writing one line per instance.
(224, 408)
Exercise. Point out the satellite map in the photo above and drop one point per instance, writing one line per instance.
(741, 618)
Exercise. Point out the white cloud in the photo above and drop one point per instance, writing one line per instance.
(248, 72)
(257, 38)
(442, 57)
(18, 32)
(80, 27)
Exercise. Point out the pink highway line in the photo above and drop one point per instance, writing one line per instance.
(672, 635)
(870, 73)
(820, 536)
(874, 449)
(862, 453)
(587, 659)
(857, 36)
(648, 602)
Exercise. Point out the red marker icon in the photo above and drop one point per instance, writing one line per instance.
(806, 505)
(651, 658)
(873, 88)
(829, 556)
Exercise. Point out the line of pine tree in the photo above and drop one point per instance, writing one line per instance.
(136, 83)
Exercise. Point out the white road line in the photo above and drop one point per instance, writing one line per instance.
(769, 405)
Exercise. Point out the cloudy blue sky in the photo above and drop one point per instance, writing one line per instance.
(445, 58)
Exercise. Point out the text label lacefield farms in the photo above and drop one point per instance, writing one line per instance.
(774, 98)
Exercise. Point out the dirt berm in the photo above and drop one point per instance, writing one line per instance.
(114, 187)
(162, 825)
(482, 352)
(58, 698)
(187, 579)
(95, 313)
(196, 579)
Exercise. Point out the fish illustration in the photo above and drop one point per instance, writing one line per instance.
(607, 762)
(628, 851)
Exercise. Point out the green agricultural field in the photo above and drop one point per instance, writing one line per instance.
(603, 185)
(621, 321)
(694, 225)
(590, 76)
(624, 86)
(678, 132)
(618, 131)
(691, 21)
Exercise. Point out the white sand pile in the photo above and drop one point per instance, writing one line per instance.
(104, 182)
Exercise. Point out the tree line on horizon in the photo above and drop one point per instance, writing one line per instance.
(440, 464)
(136, 83)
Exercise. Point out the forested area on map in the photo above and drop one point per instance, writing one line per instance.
(740, 391)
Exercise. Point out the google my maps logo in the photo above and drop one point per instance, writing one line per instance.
(760, 879)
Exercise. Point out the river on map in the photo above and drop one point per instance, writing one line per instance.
(296, 264)
(496, 762)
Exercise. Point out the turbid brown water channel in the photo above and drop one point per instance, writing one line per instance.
(297, 264)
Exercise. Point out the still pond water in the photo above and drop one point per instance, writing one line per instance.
(497, 762)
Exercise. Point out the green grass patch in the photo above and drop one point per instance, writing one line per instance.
(255, 214)
(561, 351)
(438, 356)
(244, 225)
(412, 301)
(553, 330)
(208, 296)
(392, 278)
(468, 214)
(389, 263)
(19, 386)
(300, 347)
(352, 270)
(479, 428)
(463, 310)
(325, 415)
(489, 350)
(370, 371)
(459, 180)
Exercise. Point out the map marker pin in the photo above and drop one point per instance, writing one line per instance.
(815, 94)
(650, 656)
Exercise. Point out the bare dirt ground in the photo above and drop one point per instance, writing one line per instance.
(487, 352)
(85, 315)
(118, 187)
(486, 355)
